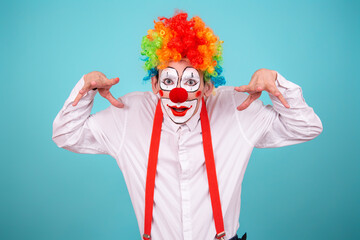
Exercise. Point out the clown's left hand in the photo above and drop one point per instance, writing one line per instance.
(262, 80)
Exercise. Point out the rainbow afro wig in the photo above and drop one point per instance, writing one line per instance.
(175, 38)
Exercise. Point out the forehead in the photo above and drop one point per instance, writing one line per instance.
(183, 63)
(180, 66)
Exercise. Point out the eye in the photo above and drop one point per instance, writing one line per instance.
(168, 81)
(191, 82)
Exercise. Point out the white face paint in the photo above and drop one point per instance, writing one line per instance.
(168, 79)
(190, 81)
(181, 112)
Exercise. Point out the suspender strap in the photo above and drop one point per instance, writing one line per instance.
(210, 170)
(211, 173)
(151, 170)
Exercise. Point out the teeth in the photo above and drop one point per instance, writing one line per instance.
(179, 109)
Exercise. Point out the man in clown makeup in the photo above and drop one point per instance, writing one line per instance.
(181, 90)
(184, 147)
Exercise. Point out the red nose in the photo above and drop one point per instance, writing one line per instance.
(178, 95)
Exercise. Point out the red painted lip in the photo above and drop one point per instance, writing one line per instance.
(179, 111)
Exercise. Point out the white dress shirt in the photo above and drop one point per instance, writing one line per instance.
(182, 206)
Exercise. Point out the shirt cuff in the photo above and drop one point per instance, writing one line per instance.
(282, 83)
(290, 91)
(90, 94)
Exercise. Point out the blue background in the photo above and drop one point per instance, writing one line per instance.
(305, 191)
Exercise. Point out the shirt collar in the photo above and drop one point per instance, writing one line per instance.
(191, 123)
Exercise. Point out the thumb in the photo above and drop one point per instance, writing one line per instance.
(115, 102)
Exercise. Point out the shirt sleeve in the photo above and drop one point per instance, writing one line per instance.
(275, 125)
(77, 130)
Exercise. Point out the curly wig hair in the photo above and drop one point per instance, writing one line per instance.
(175, 38)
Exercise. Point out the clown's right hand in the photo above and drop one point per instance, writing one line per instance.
(98, 80)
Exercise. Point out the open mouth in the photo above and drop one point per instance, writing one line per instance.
(179, 111)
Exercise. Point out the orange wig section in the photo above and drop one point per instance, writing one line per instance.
(175, 38)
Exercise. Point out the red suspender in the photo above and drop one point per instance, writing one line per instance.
(211, 172)
(210, 169)
(151, 170)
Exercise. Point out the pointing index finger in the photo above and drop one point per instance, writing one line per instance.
(246, 103)
(81, 93)
(275, 91)
(113, 101)
(283, 101)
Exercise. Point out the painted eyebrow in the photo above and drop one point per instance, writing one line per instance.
(174, 69)
(192, 74)
(168, 72)
(186, 68)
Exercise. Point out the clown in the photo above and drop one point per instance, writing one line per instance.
(185, 56)
(181, 88)
(184, 167)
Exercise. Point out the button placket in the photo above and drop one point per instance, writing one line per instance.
(184, 185)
